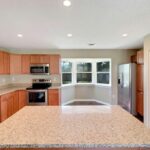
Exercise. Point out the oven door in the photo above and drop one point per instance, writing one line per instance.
(37, 97)
(41, 69)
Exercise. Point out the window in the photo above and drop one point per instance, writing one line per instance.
(103, 72)
(80, 71)
(84, 72)
(66, 72)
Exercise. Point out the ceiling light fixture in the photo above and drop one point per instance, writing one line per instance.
(67, 3)
(91, 44)
(20, 35)
(69, 35)
(125, 35)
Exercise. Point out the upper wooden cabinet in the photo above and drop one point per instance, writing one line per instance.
(55, 64)
(134, 59)
(54, 97)
(39, 59)
(4, 63)
(1, 63)
(25, 63)
(15, 64)
(140, 57)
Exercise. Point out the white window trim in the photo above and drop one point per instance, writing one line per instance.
(94, 72)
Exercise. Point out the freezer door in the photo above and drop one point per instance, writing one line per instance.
(124, 86)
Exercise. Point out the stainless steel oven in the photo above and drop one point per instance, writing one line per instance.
(39, 69)
(37, 97)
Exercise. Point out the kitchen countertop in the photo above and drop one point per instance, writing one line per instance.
(73, 127)
(13, 88)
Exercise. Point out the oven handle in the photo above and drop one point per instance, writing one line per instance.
(36, 91)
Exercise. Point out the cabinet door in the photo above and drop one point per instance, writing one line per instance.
(6, 63)
(15, 64)
(22, 98)
(4, 107)
(54, 64)
(140, 57)
(134, 59)
(1, 63)
(25, 63)
(15, 102)
(44, 59)
(140, 78)
(53, 97)
(10, 104)
(139, 98)
(35, 59)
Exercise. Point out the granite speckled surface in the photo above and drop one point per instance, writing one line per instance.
(73, 126)
(9, 89)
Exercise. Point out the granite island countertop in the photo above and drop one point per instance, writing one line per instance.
(73, 127)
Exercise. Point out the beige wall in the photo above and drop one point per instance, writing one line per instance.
(147, 80)
(117, 56)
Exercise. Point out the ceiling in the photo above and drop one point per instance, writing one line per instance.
(46, 23)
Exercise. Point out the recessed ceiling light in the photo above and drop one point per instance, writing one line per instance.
(69, 35)
(67, 3)
(20, 35)
(125, 35)
(91, 44)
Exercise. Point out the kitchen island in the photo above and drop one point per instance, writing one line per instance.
(75, 127)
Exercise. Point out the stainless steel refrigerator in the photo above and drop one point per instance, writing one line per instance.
(127, 87)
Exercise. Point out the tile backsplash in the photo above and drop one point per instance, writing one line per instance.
(5, 80)
(25, 79)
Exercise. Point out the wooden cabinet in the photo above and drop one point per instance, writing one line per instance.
(140, 78)
(140, 102)
(54, 97)
(40, 59)
(10, 103)
(16, 102)
(1, 62)
(4, 63)
(139, 89)
(134, 59)
(25, 64)
(15, 64)
(140, 57)
(44, 59)
(55, 64)
(4, 107)
(22, 98)
(7, 105)
(35, 59)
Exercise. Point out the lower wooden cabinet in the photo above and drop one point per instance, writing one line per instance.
(10, 103)
(54, 97)
(139, 101)
(22, 98)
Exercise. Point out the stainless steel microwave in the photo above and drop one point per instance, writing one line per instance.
(40, 69)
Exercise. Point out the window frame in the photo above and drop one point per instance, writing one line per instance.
(67, 72)
(93, 62)
(110, 71)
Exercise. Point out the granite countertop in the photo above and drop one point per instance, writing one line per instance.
(73, 127)
(13, 88)
(9, 89)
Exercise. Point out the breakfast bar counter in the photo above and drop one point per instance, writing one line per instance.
(73, 127)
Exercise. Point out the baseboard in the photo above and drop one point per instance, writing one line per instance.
(95, 100)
